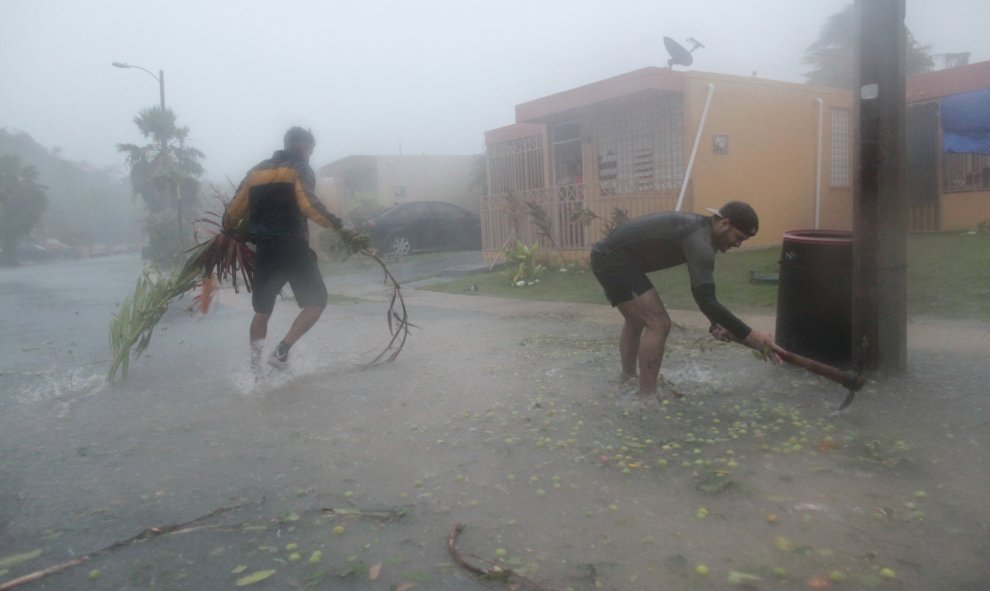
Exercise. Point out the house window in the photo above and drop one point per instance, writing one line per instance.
(640, 146)
(840, 149)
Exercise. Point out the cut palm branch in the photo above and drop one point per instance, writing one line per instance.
(132, 326)
(224, 256)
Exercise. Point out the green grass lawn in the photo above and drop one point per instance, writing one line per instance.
(948, 277)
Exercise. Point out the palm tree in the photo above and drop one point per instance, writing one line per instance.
(164, 173)
(833, 55)
(162, 169)
(22, 201)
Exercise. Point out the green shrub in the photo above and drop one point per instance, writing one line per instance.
(523, 263)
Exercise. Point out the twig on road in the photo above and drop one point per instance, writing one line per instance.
(495, 572)
(151, 532)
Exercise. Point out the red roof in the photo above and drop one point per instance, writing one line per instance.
(932, 85)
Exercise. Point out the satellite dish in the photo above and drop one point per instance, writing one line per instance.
(678, 55)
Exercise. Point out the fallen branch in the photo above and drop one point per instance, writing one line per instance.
(398, 324)
(493, 573)
(151, 532)
(383, 515)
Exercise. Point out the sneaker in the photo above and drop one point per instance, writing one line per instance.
(279, 359)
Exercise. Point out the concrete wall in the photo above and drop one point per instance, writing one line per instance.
(963, 211)
(427, 178)
(771, 133)
(393, 179)
(326, 191)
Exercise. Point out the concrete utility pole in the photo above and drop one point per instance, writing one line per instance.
(879, 198)
(160, 78)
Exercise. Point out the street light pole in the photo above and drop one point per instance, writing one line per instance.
(161, 95)
(160, 78)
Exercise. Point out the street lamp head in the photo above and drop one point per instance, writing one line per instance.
(160, 78)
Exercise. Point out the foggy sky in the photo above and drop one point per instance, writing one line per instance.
(376, 77)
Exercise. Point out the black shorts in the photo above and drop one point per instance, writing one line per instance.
(620, 277)
(278, 262)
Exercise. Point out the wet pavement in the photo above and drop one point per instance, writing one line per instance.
(504, 416)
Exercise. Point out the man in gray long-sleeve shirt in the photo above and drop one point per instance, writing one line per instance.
(622, 259)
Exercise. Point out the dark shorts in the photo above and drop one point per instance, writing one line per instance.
(278, 262)
(619, 276)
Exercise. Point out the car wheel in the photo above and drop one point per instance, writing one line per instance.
(399, 245)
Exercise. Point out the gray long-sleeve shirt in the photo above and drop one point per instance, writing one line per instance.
(662, 240)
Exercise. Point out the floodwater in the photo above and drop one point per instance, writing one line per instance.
(503, 416)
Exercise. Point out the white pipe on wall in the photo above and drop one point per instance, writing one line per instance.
(694, 150)
(818, 163)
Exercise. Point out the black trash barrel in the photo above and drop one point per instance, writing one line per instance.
(814, 295)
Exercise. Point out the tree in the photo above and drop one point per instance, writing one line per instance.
(22, 201)
(833, 55)
(165, 173)
(86, 204)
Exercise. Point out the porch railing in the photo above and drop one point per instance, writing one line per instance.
(506, 217)
(924, 218)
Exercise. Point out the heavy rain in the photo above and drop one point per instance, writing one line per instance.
(458, 416)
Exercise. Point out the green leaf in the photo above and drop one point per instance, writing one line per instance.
(714, 483)
(10, 561)
(255, 577)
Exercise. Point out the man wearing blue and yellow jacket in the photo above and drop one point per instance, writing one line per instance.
(271, 207)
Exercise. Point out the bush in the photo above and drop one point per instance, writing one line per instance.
(164, 246)
(523, 264)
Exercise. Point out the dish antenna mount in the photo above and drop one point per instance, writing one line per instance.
(678, 55)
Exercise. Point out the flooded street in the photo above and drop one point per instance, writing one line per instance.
(504, 416)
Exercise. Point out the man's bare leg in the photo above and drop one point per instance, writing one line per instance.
(258, 332)
(650, 311)
(632, 329)
(304, 321)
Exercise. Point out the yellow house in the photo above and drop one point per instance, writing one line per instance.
(948, 148)
(661, 140)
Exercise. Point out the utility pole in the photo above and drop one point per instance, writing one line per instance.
(879, 310)
(175, 179)
(160, 78)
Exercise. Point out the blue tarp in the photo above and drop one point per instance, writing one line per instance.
(966, 122)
